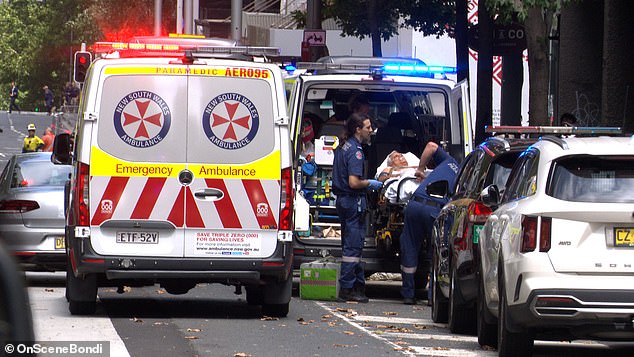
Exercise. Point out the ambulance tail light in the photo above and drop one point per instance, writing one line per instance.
(286, 203)
(80, 193)
(477, 213)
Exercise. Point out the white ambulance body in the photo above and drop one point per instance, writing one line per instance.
(182, 175)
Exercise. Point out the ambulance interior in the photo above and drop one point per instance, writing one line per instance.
(404, 119)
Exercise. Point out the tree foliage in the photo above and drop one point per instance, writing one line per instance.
(38, 39)
(380, 19)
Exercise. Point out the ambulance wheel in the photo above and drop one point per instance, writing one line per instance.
(81, 293)
(275, 310)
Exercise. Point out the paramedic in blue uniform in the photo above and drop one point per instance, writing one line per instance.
(420, 212)
(349, 186)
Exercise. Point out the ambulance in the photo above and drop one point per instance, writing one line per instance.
(182, 173)
(410, 104)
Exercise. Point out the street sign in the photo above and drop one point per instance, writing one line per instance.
(507, 39)
(315, 37)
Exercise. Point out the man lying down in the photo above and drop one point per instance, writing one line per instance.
(399, 170)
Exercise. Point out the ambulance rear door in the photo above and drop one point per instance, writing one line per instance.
(137, 153)
(232, 205)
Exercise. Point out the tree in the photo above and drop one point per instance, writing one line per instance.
(379, 19)
(537, 16)
(36, 41)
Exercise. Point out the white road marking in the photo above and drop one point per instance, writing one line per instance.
(354, 324)
(398, 320)
(53, 322)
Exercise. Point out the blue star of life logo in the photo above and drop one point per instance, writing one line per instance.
(142, 119)
(230, 121)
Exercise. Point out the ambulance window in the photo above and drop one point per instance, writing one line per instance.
(231, 119)
(141, 118)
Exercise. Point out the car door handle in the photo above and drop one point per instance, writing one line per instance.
(209, 194)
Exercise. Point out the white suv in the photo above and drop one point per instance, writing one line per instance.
(557, 253)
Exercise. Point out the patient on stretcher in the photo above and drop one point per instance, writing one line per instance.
(397, 172)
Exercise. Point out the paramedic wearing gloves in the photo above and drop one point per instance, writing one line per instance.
(349, 186)
(419, 215)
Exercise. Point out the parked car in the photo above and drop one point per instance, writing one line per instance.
(32, 210)
(556, 253)
(457, 228)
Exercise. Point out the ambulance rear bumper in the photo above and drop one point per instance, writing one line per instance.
(217, 269)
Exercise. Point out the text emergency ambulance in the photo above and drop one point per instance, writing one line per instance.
(182, 174)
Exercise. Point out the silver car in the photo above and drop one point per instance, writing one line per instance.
(32, 210)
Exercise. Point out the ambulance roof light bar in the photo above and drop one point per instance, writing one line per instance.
(378, 71)
(236, 50)
(554, 130)
(169, 47)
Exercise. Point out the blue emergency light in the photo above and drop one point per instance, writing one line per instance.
(417, 70)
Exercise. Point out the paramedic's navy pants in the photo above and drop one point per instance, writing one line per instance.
(351, 212)
(418, 221)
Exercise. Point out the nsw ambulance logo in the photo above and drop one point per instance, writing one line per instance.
(142, 119)
(231, 121)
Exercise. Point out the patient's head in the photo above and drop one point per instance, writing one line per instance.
(396, 159)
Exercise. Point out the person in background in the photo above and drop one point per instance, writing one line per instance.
(32, 142)
(419, 215)
(568, 119)
(349, 186)
(48, 139)
(13, 95)
(49, 100)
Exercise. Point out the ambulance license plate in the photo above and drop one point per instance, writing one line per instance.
(138, 237)
(59, 243)
(624, 237)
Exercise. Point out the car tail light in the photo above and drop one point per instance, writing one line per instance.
(18, 206)
(544, 234)
(80, 193)
(478, 212)
(529, 233)
(286, 206)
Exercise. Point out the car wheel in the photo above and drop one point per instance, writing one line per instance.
(461, 318)
(254, 295)
(487, 332)
(275, 310)
(510, 343)
(439, 306)
(81, 293)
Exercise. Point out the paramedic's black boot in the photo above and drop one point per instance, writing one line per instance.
(359, 294)
(345, 294)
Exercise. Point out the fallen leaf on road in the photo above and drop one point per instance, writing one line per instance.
(332, 324)
(160, 291)
(136, 319)
(440, 348)
(127, 289)
(340, 345)
(385, 326)
(241, 354)
(300, 319)
(193, 330)
(159, 323)
(326, 316)
(191, 337)
(349, 333)
(49, 290)
(390, 313)
(269, 318)
(400, 343)
(341, 309)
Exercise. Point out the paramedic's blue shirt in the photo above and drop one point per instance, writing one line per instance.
(348, 162)
(446, 169)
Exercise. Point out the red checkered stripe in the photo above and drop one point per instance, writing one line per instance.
(246, 204)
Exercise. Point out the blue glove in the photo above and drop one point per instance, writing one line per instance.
(375, 185)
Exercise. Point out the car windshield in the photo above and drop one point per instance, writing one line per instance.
(594, 179)
(39, 173)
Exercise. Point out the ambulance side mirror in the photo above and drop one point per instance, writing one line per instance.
(62, 154)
